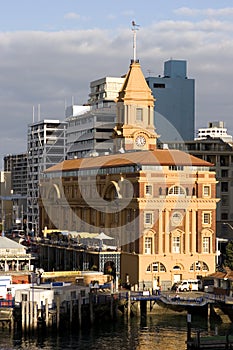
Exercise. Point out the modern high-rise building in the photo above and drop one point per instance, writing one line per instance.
(175, 102)
(90, 133)
(5, 202)
(104, 91)
(17, 164)
(46, 147)
(89, 130)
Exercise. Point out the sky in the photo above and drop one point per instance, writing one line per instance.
(50, 51)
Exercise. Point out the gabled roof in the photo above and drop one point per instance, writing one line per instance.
(155, 157)
(6, 243)
(227, 274)
(135, 89)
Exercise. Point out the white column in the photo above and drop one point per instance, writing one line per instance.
(160, 233)
(167, 233)
(187, 247)
(6, 266)
(193, 231)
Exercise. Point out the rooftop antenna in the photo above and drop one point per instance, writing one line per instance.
(39, 112)
(135, 27)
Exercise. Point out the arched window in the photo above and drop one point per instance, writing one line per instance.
(176, 191)
(199, 266)
(156, 267)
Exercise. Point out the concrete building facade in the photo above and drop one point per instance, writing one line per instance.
(17, 164)
(46, 147)
(104, 91)
(6, 205)
(89, 130)
(90, 133)
(215, 130)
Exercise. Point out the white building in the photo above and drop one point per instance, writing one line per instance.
(46, 147)
(13, 256)
(104, 91)
(215, 130)
(90, 128)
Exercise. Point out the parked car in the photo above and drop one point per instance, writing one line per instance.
(189, 285)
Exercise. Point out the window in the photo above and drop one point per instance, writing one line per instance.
(224, 216)
(176, 167)
(224, 160)
(73, 295)
(206, 191)
(224, 173)
(206, 244)
(148, 245)
(159, 86)
(162, 268)
(176, 191)
(176, 245)
(199, 266)
(139, 114)
(148, 190)
(206, 218)
(148, 219)
(225, 200)
(24, 297)
(155, 267)
(205, 267)
(224, 186)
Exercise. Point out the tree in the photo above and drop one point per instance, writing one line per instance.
(229, 255)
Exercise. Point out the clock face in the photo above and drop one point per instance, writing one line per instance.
(176, 218)
(140, 140)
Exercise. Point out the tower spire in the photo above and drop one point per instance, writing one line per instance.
(135, 27)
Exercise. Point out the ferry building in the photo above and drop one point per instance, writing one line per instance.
(159, 205)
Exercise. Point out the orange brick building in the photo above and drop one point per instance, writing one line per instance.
(159, 205)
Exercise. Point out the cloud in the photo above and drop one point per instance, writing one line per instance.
(209, 12)
(49, 68)
(75, 16)
(111, 17)
(128, 13)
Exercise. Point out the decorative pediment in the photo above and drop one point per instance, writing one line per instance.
(207, 232)
(149, 233)
(177, 232)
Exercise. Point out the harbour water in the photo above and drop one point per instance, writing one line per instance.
(166, 331)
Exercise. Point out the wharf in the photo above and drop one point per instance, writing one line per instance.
(210, 343)
(6, 317)
(75, 304)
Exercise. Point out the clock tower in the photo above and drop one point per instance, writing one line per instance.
(135, 128)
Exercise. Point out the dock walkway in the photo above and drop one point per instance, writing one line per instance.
(210, 343)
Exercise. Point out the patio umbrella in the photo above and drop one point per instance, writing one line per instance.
(102, 236)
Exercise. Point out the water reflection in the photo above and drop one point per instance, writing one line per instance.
(157, 332)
